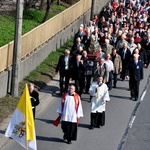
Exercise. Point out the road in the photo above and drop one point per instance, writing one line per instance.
(115, 135)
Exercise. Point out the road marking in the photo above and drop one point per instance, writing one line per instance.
(131, 122)
(143, 95)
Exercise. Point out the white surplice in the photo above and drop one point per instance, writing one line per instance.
(69, 112)
(98, 97)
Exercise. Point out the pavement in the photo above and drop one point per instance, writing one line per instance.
(138, 132)
(131, 140)
(45, 95)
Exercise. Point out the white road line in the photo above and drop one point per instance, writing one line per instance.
(131, 122)
(133, 118)
(143, 95)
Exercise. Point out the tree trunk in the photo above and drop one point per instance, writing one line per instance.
(41, 5)
(58, 2)
(47, 10)
(29, 4)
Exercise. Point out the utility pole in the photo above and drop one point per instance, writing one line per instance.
(17, 48)
(92, 9)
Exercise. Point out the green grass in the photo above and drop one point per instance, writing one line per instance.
(40, 76)
(31, 19)
(6, 29)
(43, 73)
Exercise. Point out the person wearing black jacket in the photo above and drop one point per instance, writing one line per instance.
(79, 76)
(64, 67)
(146, 45)
(34, 96)
(135, 75)
(89, 70)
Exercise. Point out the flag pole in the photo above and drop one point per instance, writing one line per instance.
(26, 145)
(26, 123)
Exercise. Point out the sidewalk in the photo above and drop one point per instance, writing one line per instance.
(44, 94)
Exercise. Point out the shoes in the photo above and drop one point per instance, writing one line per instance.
(109, 89)
(114, 86)
(91, 128)
(64, 138)
(135, 99)
(69, 142)
(97, 126)
(131, 98)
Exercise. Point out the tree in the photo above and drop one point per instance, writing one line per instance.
(58, 2)
(30, 4)
(49, 2)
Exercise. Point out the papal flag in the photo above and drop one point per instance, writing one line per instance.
(21, 127)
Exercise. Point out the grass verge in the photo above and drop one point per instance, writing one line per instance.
(40, 76)
(31, 19)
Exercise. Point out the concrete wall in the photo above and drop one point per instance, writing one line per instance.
(31, 62)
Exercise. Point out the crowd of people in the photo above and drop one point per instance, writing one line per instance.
(115, 44)
(107, 46)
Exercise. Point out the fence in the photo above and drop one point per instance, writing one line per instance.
(53, 42)
(41, 34)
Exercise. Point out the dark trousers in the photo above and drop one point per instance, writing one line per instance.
(148, 58)
(98, 119)
(79, 84)
(88, 83)
(134, 87)
(66, 75)
(109, 84)
(124, 69)
(70, 130)
(33, 110)
(115, 79)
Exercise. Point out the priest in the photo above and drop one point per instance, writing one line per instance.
(70, 110)
(99, 96)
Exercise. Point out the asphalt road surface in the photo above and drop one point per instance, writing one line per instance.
(123, 117)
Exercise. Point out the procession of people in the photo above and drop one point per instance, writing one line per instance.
(115, 45)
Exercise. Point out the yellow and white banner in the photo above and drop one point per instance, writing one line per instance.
(21, 127)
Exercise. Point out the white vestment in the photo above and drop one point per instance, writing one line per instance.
(99, 95)
(69, 112)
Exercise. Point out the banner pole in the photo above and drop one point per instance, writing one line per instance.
(26, 145)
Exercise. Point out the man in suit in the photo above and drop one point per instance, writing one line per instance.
(120, 43)
(80, 33)
(64, 67)
(79, 76)
(34, 96)
(96, 34)
(102, 70)
(135, 76)
(107, 48)
(89, 70)
(125, 57)
(146, 46)
(76, 45)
